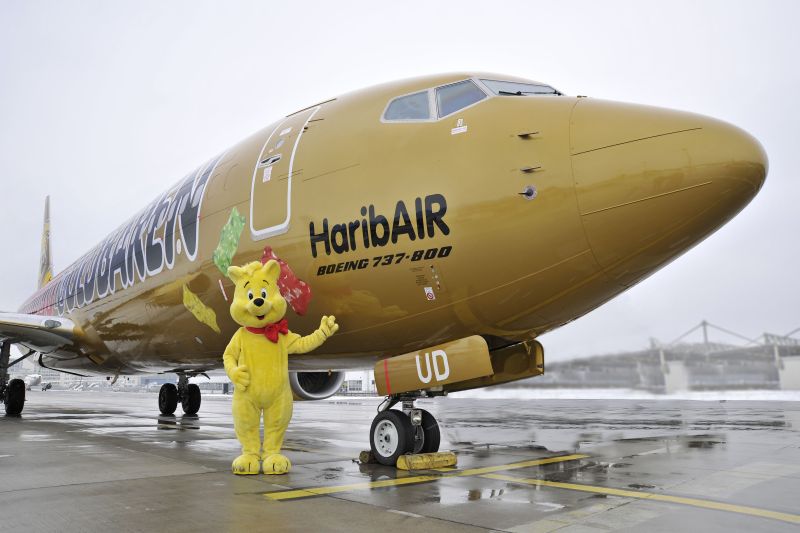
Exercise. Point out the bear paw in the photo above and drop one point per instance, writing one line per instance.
(246, 464)
(276, 464)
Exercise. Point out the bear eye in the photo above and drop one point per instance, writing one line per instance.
(264, 293)
(250, 294)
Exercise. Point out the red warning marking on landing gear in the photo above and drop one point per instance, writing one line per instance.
(386, 375)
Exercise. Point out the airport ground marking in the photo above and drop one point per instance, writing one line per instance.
(444, 473)
(513, 466)
(652, 496)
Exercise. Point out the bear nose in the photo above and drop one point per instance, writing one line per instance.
(259, 302)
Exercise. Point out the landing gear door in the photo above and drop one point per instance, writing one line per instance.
(271, 191)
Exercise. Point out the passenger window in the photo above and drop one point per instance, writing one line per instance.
(451, 98)
(411, 107)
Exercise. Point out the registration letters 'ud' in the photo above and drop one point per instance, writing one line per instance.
(442, 371)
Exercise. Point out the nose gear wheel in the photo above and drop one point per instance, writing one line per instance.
(394, 433)
(391, 436)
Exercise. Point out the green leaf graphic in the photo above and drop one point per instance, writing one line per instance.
(228, 241)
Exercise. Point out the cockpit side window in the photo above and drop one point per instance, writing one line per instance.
(515, 88)
(451, 98)
(410, 107)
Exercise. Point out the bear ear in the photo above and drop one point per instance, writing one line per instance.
(272, 269)
(235, 273)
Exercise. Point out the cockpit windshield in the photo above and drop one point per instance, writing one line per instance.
(410, 107)
(515, 88)
(435, 103)
(457, 96)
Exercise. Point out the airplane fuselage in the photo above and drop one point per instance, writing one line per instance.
(507, 217)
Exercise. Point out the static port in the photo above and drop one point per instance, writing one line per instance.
(529, 192)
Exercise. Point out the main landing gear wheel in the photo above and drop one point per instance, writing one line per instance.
(14, 398)
(188, 394)
(430, 433)
(191, 400)
(391, 436)
(168, 399)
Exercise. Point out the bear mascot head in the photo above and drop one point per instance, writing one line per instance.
(257, 300)
(256, 361)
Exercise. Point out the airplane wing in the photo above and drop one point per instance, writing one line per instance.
(40, 333)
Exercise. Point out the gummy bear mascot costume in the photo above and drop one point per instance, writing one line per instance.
(257, 362)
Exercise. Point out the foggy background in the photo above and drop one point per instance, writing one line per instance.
(104, 105)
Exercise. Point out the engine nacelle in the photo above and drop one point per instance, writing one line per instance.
(315, 385)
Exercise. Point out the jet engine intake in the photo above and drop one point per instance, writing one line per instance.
(315, 385)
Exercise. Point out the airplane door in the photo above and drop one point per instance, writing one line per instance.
(271, 190)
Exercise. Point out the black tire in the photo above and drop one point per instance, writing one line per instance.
(390, 436)
(191, 400)
(430, 430)
(15, 397)
(168, 399)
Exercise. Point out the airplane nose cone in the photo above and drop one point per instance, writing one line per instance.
(651, 182)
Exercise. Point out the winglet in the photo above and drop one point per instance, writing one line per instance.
(45, 262)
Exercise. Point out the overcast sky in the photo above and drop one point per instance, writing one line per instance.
(103, 105)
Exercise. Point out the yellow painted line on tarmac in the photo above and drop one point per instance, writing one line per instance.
(446, 473)
(321, 491)
(514, 466)
(641, 495)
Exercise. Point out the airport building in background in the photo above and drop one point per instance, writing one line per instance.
(770, 362)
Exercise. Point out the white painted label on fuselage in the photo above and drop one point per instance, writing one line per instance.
(440, 367)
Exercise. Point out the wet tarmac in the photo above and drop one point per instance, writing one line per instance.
(102, 461)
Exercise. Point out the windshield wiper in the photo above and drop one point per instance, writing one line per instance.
(523, 93)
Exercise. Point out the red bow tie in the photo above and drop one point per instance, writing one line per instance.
(271, 331)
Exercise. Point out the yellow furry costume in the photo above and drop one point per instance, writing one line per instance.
(256, 361)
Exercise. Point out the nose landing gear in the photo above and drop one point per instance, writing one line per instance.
(394, 432)
(187, 393)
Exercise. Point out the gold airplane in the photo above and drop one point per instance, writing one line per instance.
(446, 221)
